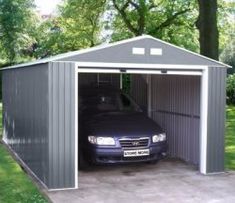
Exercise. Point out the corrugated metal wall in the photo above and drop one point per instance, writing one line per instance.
(138, 89)
(39, 117)
(216, 119)
(25, 116)
(62, 125)
(175, 105)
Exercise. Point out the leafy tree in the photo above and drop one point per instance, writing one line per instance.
(136, 14)
(15, 21)
(50, 41)
(2, 56)
(77, 26)
(231, 89)
(228, 54)
(172, 21)
(226, 23)
(82, 20)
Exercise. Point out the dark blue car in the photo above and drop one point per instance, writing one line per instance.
(115, 130)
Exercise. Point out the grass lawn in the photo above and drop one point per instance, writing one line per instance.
(230, 139)
(15, 185)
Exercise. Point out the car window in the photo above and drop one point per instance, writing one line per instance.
(101, 102)
(107, 102)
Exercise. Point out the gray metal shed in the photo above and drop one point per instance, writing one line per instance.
(181, 90)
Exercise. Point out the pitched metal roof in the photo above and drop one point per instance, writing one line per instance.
(120, 51)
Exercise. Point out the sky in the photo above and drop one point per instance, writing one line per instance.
(47, 6)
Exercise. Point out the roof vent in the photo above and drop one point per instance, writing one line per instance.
(138, 51)
(156, 51)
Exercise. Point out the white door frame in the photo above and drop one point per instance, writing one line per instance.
(202, 71)
(76, 126)
(204, 121)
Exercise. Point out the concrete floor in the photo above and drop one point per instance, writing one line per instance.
(167, 181)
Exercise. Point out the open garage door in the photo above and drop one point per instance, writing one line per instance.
(172, 98)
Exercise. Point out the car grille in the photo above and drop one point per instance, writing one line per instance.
(134, 143)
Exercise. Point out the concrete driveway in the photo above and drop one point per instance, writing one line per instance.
(167, 181)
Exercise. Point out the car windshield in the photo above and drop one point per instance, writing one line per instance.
(109, 102)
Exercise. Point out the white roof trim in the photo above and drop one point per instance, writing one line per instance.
(137, 66)
(131, 71)
(103, 46)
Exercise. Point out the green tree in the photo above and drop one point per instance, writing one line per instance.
(50, 40)
(82, 20)
(226, 24)
(230, 89)
(78, 25)
(2, 56)
(172, 21)
(15, 19)
(228, 54)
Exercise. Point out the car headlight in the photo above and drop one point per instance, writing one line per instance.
(159, 138)
(92, 139)
(101, 140)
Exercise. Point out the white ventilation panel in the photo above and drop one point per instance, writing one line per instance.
(138, 51)
(156, 51)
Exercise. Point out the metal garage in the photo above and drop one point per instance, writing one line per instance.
(181, 90)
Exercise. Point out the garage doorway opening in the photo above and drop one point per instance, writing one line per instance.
(173, 101)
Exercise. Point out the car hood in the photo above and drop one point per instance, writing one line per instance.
(121, 124)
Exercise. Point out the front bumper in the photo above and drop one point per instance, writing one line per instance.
(109, 155)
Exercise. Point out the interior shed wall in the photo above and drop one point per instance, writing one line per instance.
(139, 90)
(25, 116)
(175, 105)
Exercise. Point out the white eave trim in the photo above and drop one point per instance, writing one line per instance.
(138, 66)
(132, 71)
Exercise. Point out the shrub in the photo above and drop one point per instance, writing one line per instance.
(230, 89)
